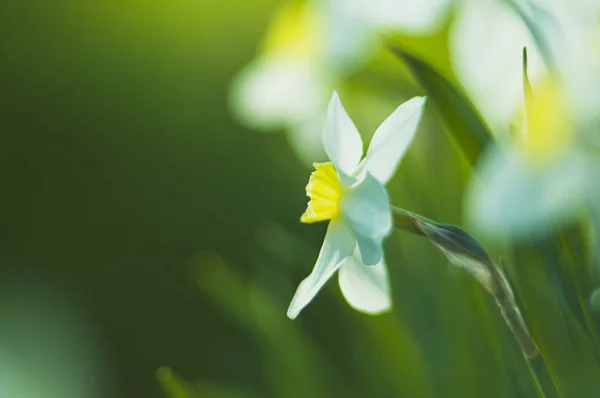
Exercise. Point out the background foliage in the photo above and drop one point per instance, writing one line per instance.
(130, 193)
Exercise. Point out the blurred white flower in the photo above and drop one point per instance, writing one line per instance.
(543, 174)
(283, 87)
(417, 17)
(486, 42)
(539, 179)
(310, 46)
(350, 193)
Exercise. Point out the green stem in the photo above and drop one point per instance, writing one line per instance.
(542, 377)
(463, 250)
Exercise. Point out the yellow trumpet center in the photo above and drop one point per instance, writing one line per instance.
(296, 31)
(324, 191)
(549, 131)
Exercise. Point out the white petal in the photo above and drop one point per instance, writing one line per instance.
(341, 138)
(270, 93)
(366, 206)
(512, 197)
(486, 44)
(572, 31)
(349, 40)
(420, 16)
(337, 247)
(365, 287)
(392, 138)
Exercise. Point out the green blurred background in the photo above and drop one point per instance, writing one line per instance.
(131, 194)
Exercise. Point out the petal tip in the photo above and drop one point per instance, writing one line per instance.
(294, 309)
(419, 100)
(334, 97)
(366, 289)
(374, 311)
(292, 313)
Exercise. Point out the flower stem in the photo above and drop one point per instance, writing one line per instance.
(464, 251)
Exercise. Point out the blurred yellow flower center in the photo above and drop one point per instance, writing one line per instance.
(295, 31)
(324, 191)
(549, 131)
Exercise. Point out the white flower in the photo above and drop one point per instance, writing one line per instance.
(350, 193)
(542, 174)
(309, 47)
(540, 178)
(286, 86)
(416, 17)
(486, 43)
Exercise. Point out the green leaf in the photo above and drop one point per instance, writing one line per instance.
(527, 88)
(175, 387)
(172, 385)
(463, 122)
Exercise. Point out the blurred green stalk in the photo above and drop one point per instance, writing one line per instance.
(464, 251)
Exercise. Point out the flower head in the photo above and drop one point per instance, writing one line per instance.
(544, 174)
(350, 194)
(286, 85)
(310, 47)
(529, 183)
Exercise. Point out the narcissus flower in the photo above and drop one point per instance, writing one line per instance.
(288, 84)
(350, 194)
(537, 179)
(544, 174)
(311, 47)
(486, 42)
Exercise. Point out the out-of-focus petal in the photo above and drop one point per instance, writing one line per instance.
(365, 287)
(421, 16)
(486, 44)
(341, 138)
(271, 93)
(574, 35)
(337, 247)
(392, 138)
(366, 206)
(349, 40)
(510, 196)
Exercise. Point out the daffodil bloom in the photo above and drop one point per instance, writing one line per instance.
(486, 41)
(416, 17)
(286, 86)
(539, 178)
(309, 48)
(350, 194)
(542, 175)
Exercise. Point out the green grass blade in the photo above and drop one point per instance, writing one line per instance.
(461, 119)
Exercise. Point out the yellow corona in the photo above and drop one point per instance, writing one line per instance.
(324, 191)
(549, 132)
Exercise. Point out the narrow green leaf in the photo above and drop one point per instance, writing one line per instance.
(172, 385)
(463, 122)
(527, 88)
(578, 272)
(175, 387)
